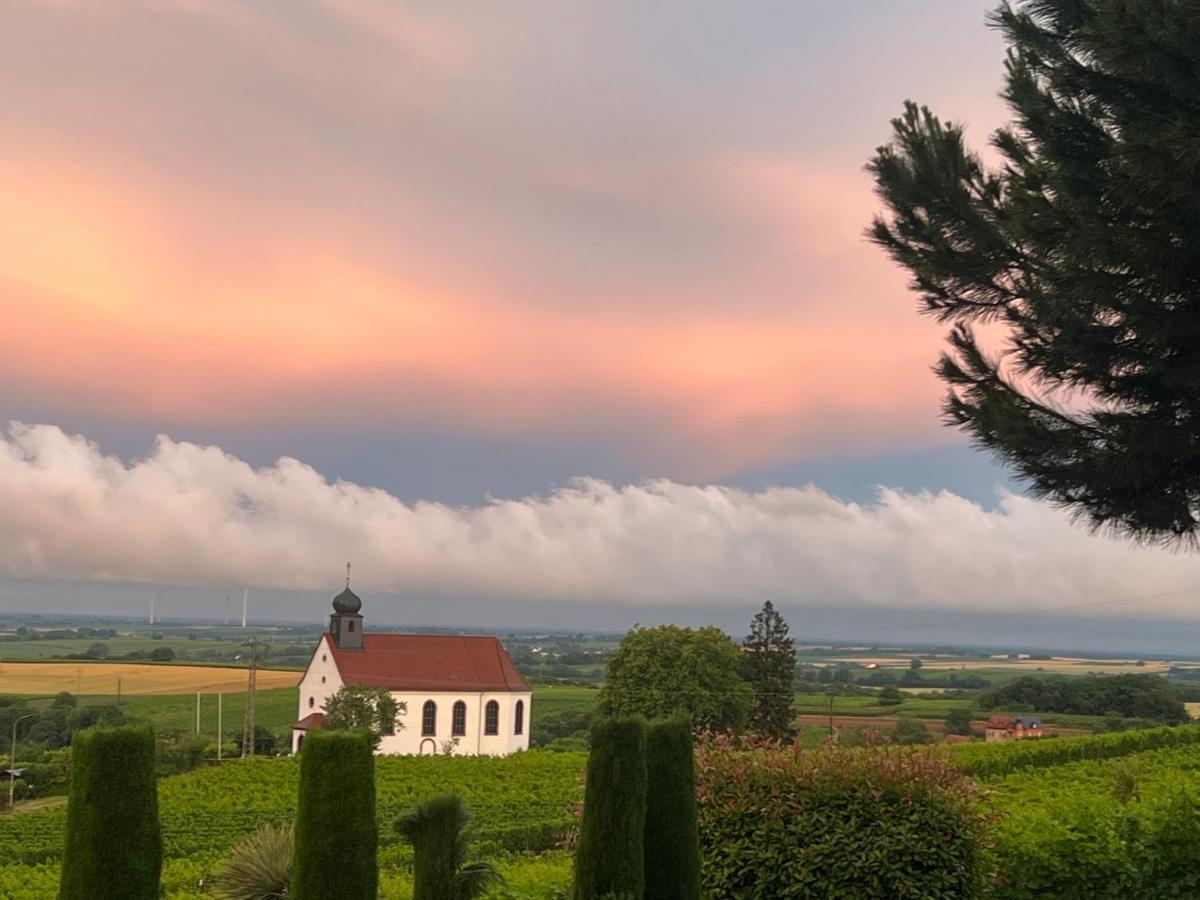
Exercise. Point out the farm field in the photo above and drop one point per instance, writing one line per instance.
(117, 646)
(1059, 665)
(136, 678)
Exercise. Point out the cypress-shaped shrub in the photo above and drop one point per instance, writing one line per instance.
(113, 843)
(672, 844)
(336, 833)
(610, 857)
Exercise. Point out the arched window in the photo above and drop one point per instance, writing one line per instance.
(351, 624)
(429, 719)
(519, 718)
(491, 718)
(458, 724)
(312, 702)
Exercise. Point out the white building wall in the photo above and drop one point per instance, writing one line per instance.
(322, 680)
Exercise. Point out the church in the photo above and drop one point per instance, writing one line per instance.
(462, 693)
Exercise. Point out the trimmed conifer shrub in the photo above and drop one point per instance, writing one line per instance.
(113, 843)
(672, 844)
(336, 833)
(437, 832)
(610, 857)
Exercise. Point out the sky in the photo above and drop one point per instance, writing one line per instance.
(563, 310)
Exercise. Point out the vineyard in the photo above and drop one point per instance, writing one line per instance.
(521, 806)
(1097, 817)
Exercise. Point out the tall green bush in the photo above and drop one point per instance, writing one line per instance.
(113, 843)
(610, 857)
(336, 833)
(863, 823)
(672, 847)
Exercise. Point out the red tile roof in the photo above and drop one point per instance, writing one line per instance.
(999, 722)
(312, 720)
(429, 662)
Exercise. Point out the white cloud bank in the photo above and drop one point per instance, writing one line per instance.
(188, 514)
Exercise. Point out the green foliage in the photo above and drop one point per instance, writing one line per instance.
(610, 857)
(358, 707)
(911, 731)
(1084, 246)
(336, 832)
(658, 672)
(994, 760)
(258, 867)
(113, 845)
(769, 665)
(851, 824)
(437, 832)
(671, 847)
(891, 696)
(958, 721)
(1134, 696)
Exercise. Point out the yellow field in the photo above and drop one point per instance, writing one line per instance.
(136, 678)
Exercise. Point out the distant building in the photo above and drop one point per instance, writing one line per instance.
(1012, 728)
(462, 692)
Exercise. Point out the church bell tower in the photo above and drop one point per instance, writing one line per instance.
(345, 625)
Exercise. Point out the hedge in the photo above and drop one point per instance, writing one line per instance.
(610, 855)
(113, 846)
(336, 832)
(874, 822)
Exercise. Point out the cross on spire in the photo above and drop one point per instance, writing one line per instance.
(347, 574)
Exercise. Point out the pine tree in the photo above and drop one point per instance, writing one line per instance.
(769, 664)
(1084, 246)
(113, 848)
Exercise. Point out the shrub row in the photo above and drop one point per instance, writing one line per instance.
(987, 761)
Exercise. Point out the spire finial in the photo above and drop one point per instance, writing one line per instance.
(347, 574)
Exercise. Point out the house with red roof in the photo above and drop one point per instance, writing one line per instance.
(461, 693)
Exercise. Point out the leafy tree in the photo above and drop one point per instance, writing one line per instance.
(97, 650)
(911, 731)
(769, 665)
(437, 832)
(373, 709)
(64, 699)
(958, 721)
(113, 846)
(915, 664)
(266, 742)
(1084, 247)
(258, 867)
(658, 672)
(891, 696)
(162, 654)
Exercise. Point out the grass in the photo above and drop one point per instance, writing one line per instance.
(117, 646)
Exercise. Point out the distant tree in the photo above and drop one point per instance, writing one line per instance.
(356, 706)
(891, 696)
(97, 650)
(915, 664)
(162, 654)
(958, 721)
(265, 741)
(769, 665)
(911, 731)
(657, 672)
(1083, 246)
(64, 699)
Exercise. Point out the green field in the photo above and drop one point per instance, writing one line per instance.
(117, 646)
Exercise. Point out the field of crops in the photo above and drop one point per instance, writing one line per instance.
(521, 806)
(135, 678)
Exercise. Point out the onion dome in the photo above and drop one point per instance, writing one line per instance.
(347, 602)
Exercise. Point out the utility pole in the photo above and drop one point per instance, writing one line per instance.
(12, 760)
(197, 712)
(118, 691)
(248, 733)
(220, 736)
